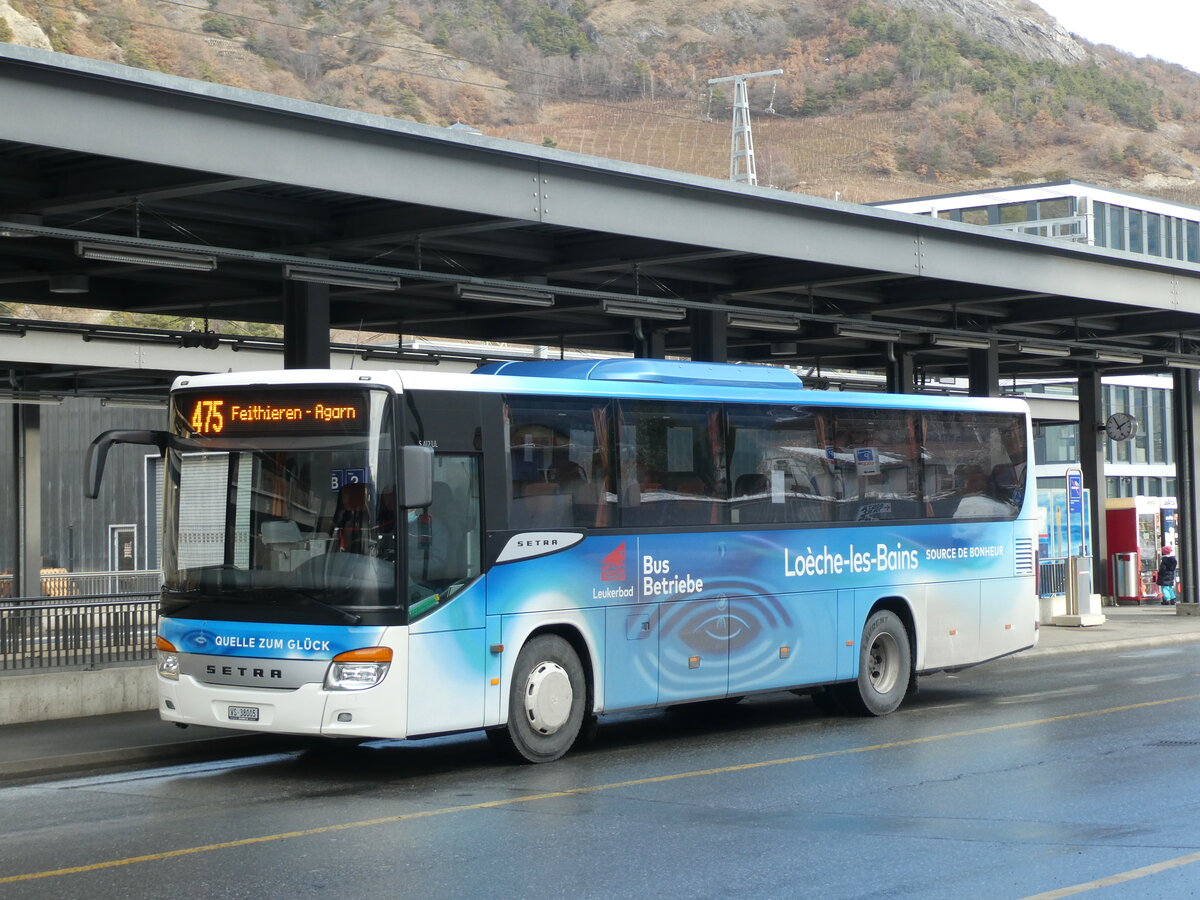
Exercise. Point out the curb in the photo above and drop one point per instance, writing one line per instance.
(1159, 640)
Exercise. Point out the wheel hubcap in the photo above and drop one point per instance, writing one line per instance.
(883, 663)
(548, 697)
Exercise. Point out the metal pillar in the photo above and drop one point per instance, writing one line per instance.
(649, 343)
(983, 372)
(710, 341)
(1185, 419)
(900, 374)
(27, 476)
(305, 326)
(1091, 463)
(741, 147)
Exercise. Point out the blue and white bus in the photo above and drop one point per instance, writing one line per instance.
(524, 548)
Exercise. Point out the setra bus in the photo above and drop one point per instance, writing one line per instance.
(524, 548)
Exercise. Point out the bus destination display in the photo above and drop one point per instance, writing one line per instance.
(274, 412)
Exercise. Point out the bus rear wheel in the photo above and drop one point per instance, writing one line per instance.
(884, 667)
(545, 703)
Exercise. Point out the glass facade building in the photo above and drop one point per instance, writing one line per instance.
(1074, 211)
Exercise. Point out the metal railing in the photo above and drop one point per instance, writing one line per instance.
(88, 631)
(61, 583)
(1070, 228)
(1052, 577)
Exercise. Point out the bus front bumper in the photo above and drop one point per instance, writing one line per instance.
(377, 712)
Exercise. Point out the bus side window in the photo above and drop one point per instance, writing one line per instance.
(672, 464)
(559, 462)
(778, 464)
(974, 464)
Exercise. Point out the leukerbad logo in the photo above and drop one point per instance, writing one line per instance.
(612, 567)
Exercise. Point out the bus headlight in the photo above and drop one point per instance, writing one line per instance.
(356, 670)
(168, 659)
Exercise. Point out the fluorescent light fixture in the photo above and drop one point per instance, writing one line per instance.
(1113, 356)
(68, 283)
(644, 310)
(31, 399)
(10, 226)
(959, 343)
(1043, 350)
(1192, 364)
(135, 402)
(342, 279)
(763, 323)
(525, 297)
(890, 335)
(145, 256)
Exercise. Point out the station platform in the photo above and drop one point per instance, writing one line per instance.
(80, 746)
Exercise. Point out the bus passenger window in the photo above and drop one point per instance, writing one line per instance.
(559, 463)
(975, 464)
(878, 453)
(672, 464)
(778, 465)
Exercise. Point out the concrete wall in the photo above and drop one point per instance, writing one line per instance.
(66, 695)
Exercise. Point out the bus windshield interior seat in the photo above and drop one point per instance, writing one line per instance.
(352, 522)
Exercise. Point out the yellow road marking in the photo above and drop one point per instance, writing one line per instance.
(1119, 878)
(572, 792)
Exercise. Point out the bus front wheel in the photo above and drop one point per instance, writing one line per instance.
(545, 703)
(884, 667)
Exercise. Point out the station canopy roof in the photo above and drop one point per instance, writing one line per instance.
(122, 189)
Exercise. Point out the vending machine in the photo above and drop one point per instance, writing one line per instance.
(1137, 528)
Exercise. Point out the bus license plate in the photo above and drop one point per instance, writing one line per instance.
(243, 713)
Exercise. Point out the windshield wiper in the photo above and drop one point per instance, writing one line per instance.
(347, 617)
(268, 595)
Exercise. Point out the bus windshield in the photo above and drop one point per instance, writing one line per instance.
(282, 497)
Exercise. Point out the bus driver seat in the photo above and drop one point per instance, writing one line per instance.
(353, 519)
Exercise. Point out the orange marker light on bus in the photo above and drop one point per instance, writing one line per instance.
(164, 645)
(366, 654)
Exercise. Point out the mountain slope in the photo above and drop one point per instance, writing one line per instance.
(877, 100)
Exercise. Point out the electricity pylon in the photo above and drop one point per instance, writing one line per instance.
(741, 147)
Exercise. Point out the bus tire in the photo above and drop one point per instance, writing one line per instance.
(545, 703)
(884, 667)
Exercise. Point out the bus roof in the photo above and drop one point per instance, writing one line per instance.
(622, 378)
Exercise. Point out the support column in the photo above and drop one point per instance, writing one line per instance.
(305, 325)
(27, 476)
(983, 372)
(710, 342)
(1185, 419)
(900, 373)
(648, 343)
(1091, 463)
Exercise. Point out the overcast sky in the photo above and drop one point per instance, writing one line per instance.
(1167, 29)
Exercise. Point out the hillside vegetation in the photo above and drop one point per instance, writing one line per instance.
(878, 99)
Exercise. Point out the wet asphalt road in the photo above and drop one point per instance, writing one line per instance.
(1005, 781)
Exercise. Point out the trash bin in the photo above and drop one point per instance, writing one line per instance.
(1127, 582)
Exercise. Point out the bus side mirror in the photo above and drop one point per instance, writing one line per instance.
(417, 483)
(97, 454)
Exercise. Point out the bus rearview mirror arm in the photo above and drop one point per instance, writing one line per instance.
(97, 454)
(417, 484)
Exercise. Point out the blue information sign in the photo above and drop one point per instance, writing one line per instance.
(1075, 513)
